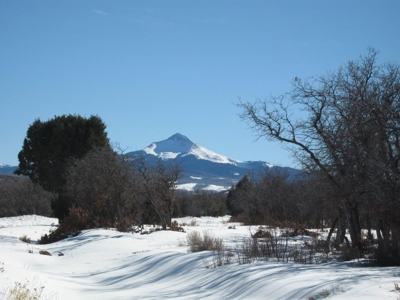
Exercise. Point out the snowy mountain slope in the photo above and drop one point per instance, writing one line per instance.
(179, 145)
(202, 167)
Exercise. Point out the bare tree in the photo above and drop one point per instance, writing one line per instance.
(346, 125)
(158, 186)
(104, 185)
(20, 196)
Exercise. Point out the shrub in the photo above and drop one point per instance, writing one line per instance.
(261, 232)
(265, 245)
(219, 258)
(25, 239)
(56, 235)
(176, 227)
(207, 241)
(72, 225)
(44, 252)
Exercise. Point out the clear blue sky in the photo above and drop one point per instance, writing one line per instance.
(151, 69)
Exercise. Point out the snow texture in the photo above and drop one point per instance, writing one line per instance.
(107, 264)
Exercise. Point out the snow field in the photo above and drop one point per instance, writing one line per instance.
(107, 264)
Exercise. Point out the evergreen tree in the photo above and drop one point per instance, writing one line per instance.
(50, 145)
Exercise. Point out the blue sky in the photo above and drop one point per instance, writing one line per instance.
(151, 69)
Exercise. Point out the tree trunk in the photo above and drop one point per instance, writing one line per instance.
(332, 229)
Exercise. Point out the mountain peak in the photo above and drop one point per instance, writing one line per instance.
(171, 147)
(180, 138)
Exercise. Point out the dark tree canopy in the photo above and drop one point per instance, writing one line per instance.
(49, 146)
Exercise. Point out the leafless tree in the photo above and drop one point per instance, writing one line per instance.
(158, 185)
(20, 196)
(346, 125)
(104, 185)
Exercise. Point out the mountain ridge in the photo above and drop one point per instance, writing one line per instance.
(203, 168)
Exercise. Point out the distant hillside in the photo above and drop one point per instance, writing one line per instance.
(7, 169)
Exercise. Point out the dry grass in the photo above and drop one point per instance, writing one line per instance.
(325, 293)
(25, 291)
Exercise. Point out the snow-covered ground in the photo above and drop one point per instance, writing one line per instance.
(106, 264)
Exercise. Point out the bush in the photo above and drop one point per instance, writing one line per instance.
(207, 241)
(177, 227)
(219, 258)
(265, 245)
(72, 225)
(25, 239)
(262, 232)
(44, 252)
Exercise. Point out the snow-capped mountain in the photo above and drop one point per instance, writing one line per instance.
(179, 145)
(203, 168)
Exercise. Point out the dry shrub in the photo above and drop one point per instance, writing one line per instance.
(262, 232)
(44, 252)
(25, 239)
(77, 221)
(25, 291)
(325, 293)
(219, 258)
(248, 251)
(202, 242)
(266, 245)
(176, 227)
(295, 229)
